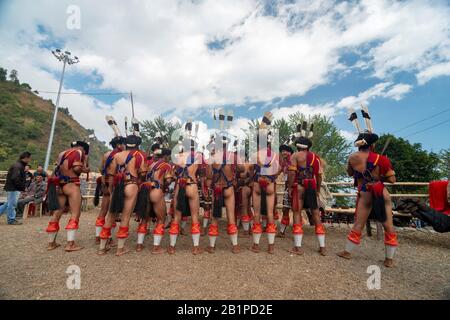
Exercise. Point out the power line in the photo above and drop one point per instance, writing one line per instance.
(90, 93)
(420, 121)
(429, 128)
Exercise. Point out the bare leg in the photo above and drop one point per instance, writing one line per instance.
(271, 226)
(297, 228)
(131, 191)
(363, 209)
(257, 228)
(388, 226)
(194, 205)
(246, 193)
(101, 216)
(73, 194)
(175, 224)
(53, 226)
(159, 206)
(232, 228)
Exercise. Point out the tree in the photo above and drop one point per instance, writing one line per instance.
(3, 74)
(25, 86)
(13, 76)
(410, 161)
(159, 125)
(444, 167)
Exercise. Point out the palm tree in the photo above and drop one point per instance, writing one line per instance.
(158, 126)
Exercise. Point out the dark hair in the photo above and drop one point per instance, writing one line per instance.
(40, 165)
(24, 155)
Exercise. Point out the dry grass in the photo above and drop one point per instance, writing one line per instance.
(28, 271)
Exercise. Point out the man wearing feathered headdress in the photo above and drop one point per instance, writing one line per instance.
(130, 168)
(265, 172)
(221, 178)
(105, 181)
(286, 153)
(63, 187)
(370, 170)
(304, 179)
(151, 203)
(186, 198)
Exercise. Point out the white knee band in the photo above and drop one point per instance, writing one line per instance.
(390, 251)
(321, 238)
(121, 243)
(157, 239)
(256, 238)
(298, 240)
(173, 239)
(350, 246)
(234, 239)
(196, 239)
(271, 238)
(103, 244)
(52, 236)
(71, 235)
(140, 238)
(212, 241)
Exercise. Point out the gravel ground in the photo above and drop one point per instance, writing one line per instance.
(28, 271)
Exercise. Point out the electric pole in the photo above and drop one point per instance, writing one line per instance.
(65, 58)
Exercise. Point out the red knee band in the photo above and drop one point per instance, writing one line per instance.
(159, 229)
(271, 228)
(232, 229)
(53, 226)
(297, 228)
(142, 228)
(195, 228)
(105, 233)
(285, 220)
(100, 221)
(354, 237)
(390, 239)
(123, 233)
(72, 225)
(320, 229)
(245, 218)
(257, 228)
(174, 228)
(213, 230)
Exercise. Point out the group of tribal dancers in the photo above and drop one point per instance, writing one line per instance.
(136, 184)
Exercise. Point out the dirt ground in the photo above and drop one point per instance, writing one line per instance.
(29, 271)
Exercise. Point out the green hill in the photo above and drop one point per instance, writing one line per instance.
(25, 121)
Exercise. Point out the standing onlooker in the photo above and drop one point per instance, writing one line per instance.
(28, 176)
(40, 172)
(15, 182)
(34, 193)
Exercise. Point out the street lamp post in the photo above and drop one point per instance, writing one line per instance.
(66, 58)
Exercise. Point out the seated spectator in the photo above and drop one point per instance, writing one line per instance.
(34, 193)
(28, 176)
(40, 172)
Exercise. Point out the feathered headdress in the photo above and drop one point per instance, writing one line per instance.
(304, 135)
(367, 137)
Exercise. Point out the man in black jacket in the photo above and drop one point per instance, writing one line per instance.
(15, 183)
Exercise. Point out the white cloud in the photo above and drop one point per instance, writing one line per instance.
(383, 90)
(159, 50)
(306, 109)
(437, 70)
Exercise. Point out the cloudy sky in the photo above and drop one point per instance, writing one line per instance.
(183, 58)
